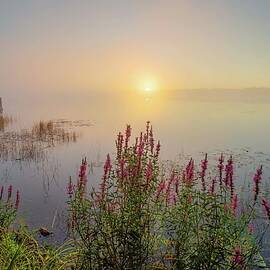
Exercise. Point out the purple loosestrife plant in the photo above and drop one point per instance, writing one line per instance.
(257, 180)
(204, 164)
(220, 169)
(144, 217)
(201, 229)
(114, 225)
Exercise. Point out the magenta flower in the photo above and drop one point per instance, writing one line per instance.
(147, 131)
(119, 144)
(257, 180)
(107, 170)
(82, 175)
(188, 174)
(140, 149)
(229, 172)
(70, 188)
(122, 168)
(229, 176)
(136, 145)
(170, 181)
(158, 149)
(204, 163)
(220, 168)
(128, 134)
(140, 140)
(160, 189)
(151, 140)
(107, 167)
(149, 171)
(213, 185)
(266, 206)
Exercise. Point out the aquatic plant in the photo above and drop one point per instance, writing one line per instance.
(114, 222)
(32, 144)
(143, 218)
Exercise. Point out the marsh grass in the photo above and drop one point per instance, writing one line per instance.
(5, 120)
(20, 250)
(31, 145)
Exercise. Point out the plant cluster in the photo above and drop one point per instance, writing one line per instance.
(142, 217)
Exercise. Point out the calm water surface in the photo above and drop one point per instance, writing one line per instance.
(186, 122)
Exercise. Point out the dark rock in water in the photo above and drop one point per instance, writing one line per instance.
(44, 232)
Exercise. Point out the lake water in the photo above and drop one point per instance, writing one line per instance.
(187, 122)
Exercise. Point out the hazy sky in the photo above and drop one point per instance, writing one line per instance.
(65, 45)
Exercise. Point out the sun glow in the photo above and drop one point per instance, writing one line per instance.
(148, 88)
(148, 85)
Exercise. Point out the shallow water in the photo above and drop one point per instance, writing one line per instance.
(188, 123)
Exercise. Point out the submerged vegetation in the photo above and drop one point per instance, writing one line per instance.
(145, 216)
(4, 121)
(30, 144)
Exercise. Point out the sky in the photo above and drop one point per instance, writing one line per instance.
(114, 45)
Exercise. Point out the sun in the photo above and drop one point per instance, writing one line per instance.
(148, 89)
(149, 86)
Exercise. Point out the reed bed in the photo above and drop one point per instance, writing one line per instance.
(5, 120)
(31, 145)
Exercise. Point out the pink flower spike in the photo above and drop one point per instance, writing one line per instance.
(82, 174)
(122, 168)
(204, 163)
(149, 171)
(266, 206)
(257, 180)
(70, 188)
(229, 172)
(188, 174)
(158, 149)
(229, 176)
(220, 168)
(151, 140)
(160, 189)
(107, 167)
(119, 144)
(147, 130)
(128, 134)
(212, 187)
